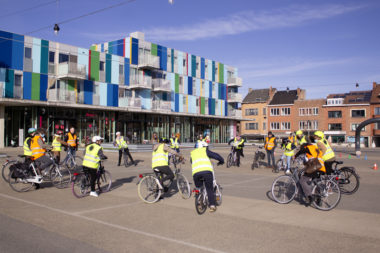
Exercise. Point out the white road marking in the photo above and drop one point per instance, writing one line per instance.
(164, 238)
(242, 182)
(109, 207)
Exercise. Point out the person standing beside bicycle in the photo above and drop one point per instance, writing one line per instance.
(175, 142)
(202, 171)
(289, 148)
(72, 141)
(328, 154)
(91, 161)
(38, 147)
(160, 161)
(238, 145)
(122, 144)
(270, 146)
(57, 145)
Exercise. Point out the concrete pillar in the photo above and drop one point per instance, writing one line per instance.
(2, 126)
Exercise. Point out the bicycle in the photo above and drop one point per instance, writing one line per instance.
(232, 158)
(201, 198)
(24, 180)
(81, 185)
(346, 177)
(326, 192)
(259, 156)
(5, 168)
(150, 189)
(71, 161)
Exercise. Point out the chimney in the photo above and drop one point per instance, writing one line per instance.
(301, 94)
(374, 85)
(271, 92)
(249, 90)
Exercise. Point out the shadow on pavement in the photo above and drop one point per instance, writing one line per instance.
(120, 181)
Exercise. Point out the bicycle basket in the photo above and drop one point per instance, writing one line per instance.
(20, 170)
(312, 166)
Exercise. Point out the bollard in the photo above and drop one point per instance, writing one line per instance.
(365, 157)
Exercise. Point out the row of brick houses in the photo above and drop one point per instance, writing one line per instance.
(286, 111)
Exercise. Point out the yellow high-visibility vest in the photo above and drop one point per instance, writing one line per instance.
(200, 161)
(160, 157)
(57, 146)
(91, 159)
(27, 150)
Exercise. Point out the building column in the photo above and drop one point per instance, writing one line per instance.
(2, 125)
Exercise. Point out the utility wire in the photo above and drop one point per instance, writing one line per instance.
(28, 9)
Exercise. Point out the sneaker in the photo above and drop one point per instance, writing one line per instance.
(287, 172)
(212, 209)
(94, 194)
(118, 164)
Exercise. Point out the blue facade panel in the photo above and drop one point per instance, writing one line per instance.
(88, 91)
(9, 82)
(120, 48)
(5, 49)
(43, 87)
(18, 52)
(126, 71)
(210, 89)
(164, 58)
(109, 94)
(176, 102)
(135, 51)
(190, 85)
(203, 68)
(115, 95)
(27, 85)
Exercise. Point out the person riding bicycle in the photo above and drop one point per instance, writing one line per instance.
(270, 146)
(57, 145)
(314, 167)
(292, 138)
(300, 137)
(328, 154)
(238, 145)
(175, 142)
(27, 143)
(72, 141)
(160, 161)
(38, 147)
(200, 140)
(122, 144)
(289, 148)
(91, 161)
(202, 170)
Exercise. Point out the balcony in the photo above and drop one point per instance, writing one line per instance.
(70, 70)
(235, 113)
(51, 68)
(234, 98)
(160, 105)
(148, 61)
(134, 103)
(234, 82)
(160, 84)
(61, 95)
(141, 82)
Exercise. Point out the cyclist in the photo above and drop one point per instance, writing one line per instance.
(123, 148)
(28, 142)
(72, 141)
(328, 154)
(202, 170)
(238, 144)
(91, 159)
(312, 152)
(160, 160)
(292, 138)
(175, 142)
(57, 145)
(200, 139)
(301, 138)
(289, 148)
(270, 146)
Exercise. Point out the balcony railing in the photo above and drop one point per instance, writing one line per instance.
(161, 105)
(134, 102)
(234, 81)
(51, 68)
(160, 84)
(141, 82)
(72, 71)
(96, 100)
(2, 90)
(235, 113)
(61, 95)
(148, 61)
(17, 92)
(121, 80)
(234, 98)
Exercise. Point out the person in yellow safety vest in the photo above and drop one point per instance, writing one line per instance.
(57, 145)
(122, 144)
(38, 147)
(200, 140)
(28, 142)
(328, 154)
(289, 148)
(270, 146)
(311, 151)
(238, 145)
(300, 137)
(91, 161)
(72, 141)
(202, 171)
(175, 142)
(292, 138)
(160, 161)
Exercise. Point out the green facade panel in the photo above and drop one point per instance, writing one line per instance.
(154, 49)
(176, 83)
(71, 85)
(35, 86)
(44, 56)
(203, 103)
(95, 62)
(221, 73)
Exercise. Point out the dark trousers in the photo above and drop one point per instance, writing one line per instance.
(126, 152)
(92, 173)
(208, 178)
(328, 166)
(239, 152)
(270, 155)
(169, 175)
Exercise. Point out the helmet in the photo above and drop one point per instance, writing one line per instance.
(319, 134)
(299, 132)
(31, 130)
(164, 140)
(59, 132)
(96, 138)
(117, 133)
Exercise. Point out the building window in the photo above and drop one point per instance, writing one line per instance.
(251, 126)
(355, 125)
(335, 101)
(377, 110)
(285, 111)
(308, 125)
(184, 62)
(63, 58)
(264, 126)
(264, 111)
(101, 65)
(274, 126)
(252, 111)
(357, 113)
(285, 125)
(121, 69)
(28, 53)
(308, 111)
(51, 56)
(335, 127)
(274, 111)
(18, 80)
(335, 114)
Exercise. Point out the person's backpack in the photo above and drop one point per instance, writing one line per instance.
(20, 170)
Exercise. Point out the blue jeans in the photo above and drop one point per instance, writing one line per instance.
(288, 160)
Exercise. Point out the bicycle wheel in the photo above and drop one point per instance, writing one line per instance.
(183, 186)
(280, 164)
(326, 195)
(5, 170)
(104, 181)
(125, 159)
(348, 181)
(149, 190)
(60, 176)
(200, 202)
(80, 186)
(229, 160)
(19, 184)
(284, 189)
(218, 194)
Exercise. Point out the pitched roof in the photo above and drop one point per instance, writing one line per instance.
(353, 97)
(256, 96)
(284, 97)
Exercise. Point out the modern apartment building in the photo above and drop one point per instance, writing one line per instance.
(129, 85)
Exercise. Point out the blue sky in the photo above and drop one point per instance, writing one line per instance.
(322, 46)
